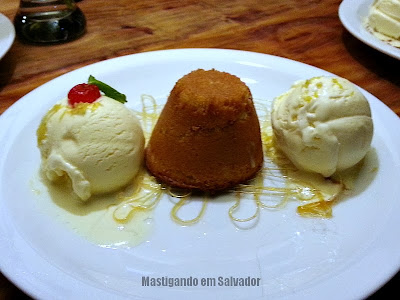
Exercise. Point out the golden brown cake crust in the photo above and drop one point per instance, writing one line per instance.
(208, 134)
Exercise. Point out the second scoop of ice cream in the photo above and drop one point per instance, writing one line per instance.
(98, 145)
(323, 124)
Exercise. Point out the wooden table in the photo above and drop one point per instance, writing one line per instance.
(308, 31)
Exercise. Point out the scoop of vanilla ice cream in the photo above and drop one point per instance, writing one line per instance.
(323, 124)
(384, 17)
(98, 145)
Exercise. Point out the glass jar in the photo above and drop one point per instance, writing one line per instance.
(49, 21)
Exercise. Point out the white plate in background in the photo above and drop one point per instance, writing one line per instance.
(348, 256)
(352, 14)
(7, 35)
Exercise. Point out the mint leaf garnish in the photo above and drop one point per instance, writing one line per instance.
(107, 90)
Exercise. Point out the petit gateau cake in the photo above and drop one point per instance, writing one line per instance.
(208, 135)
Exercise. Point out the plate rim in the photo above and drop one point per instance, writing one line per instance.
(192, 51)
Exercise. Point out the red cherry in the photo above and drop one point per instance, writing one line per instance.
(83, 93)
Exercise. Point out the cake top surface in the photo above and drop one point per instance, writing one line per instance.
(211, 88)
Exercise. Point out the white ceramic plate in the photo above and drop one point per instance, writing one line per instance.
(352, 14)
(348, 256)
(7, 35)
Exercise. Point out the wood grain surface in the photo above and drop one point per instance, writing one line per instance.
(308, 31)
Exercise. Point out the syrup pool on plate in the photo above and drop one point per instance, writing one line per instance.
(126, 219)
